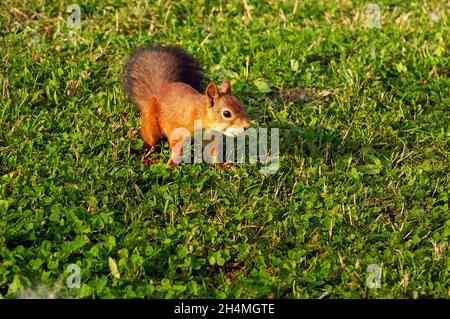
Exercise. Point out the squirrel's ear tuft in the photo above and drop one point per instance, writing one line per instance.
(212, 91)
(225, 87)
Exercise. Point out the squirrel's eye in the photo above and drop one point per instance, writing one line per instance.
(227, 114)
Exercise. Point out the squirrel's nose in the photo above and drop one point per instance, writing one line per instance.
(246, 126)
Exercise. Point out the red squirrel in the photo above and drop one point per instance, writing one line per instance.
(164, 82)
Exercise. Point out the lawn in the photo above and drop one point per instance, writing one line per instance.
(363, 182)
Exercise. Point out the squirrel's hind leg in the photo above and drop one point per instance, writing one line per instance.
(150, 129)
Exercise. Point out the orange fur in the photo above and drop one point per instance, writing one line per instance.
(167, 105)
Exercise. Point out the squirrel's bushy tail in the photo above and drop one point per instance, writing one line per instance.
(148, 69)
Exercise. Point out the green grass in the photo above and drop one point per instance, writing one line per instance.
(364, 168)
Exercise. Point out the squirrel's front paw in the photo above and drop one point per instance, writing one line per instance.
(171, 163)
(226, 166)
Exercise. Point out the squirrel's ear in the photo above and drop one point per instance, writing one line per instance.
(225, 87)
(212, 91)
